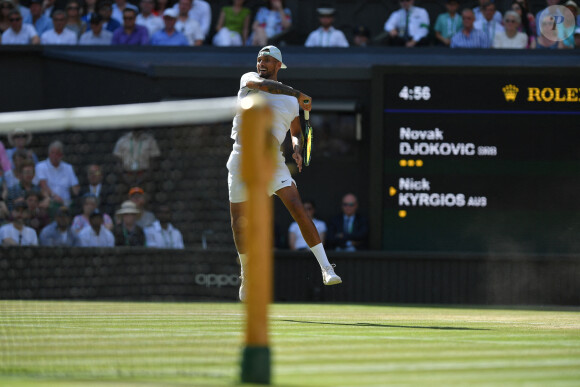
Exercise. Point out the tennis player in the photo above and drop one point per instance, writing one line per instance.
(284, 102)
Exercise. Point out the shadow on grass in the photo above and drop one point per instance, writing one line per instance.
(388, 326)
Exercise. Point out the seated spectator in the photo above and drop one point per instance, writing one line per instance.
(96, 35)
(19, 33)
(5, 7)
(37, 216)
(528, 24)
(17, 233)
(469, 37)
(88, 10)
(89, 205)
(59, 35)
(408, 26)
(95, 234)
(13, 176)
(24, 11)
(101, 190)
(539, 15)
(488, 24)
(127, 232)
(161, 234)
(119, 8)
(48, 7)
(26, 183)
(160, 7)
(295, 239)
(169, 36)
(19, 139)
(5, 163)
(73, 18)
(105, 9)
(348, 231)
(187, 25)
(548, 39)
(57, 178)
(145, 218)
(510, 38)
(59, 233)
(271, 20)
(567, 27)
(448, 23)
(361, 36)
(147, 19)
(199, 11)
(136, 152)
(131, 34)
(478, 12)
(233, 26)
(37, 18)
(326, 35)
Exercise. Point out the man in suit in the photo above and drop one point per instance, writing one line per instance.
(348, 231)
(95, 186)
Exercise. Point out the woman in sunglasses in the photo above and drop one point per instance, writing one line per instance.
(510, 37)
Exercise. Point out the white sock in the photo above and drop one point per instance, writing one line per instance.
(320, 255)
(243, 261)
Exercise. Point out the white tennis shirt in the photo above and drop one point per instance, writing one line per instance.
(284, 107)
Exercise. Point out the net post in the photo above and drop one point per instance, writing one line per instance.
(257, 171)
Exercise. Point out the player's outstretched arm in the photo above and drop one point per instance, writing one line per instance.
(275, 87)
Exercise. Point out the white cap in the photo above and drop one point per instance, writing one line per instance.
(274, 52)
(171, 12)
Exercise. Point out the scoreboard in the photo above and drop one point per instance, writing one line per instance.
(479, 160)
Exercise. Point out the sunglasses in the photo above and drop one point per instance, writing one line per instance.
(510, 21)
(348, 204)
(15, 19)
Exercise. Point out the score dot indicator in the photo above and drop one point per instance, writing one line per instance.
(411, 163)
(402, 214)
(403, 163)
(419, 163)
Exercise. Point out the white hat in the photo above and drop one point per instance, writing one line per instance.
(171, 12)
(326, 11)
(128, 207)
(274, 52)
(19, 132)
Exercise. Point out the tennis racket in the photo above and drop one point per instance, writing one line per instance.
(307, 146)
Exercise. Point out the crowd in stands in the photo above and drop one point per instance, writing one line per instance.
(188, 22)
(42, 202)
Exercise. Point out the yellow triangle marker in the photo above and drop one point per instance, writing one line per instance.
(392, 191)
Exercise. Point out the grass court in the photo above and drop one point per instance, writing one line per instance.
(199, 344)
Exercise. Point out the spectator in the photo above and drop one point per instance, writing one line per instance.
(3, 196)
(131, 34)
(96, 35)
(102, 191)
(469, 37)
(59, 35)
(57, 177)
(295, 239)
(89, 9)
(24, 11)
(270, 21)
(95, 234)
(127, 232)
(106, 10)
(73, 18)
(361, 36)
(577, 37)
(48, 7)
(448, 23)
(200, 11)
(5, 7)
(567, 27)
(37, 216)
(169, 36)
(488, 24)
(17, 233)
(89, 205)
(548, 39)
(408, 26)
(136, 152)
(233, 26)
(161, 234)
(119, 8)
(478, 12)
(528, 24)
(14, 175)
(326, 35)
(160, 7)
(147, 19)
(187, 25)
(510, 38)
(539, 16)
(20, 139)
(5, 163)
(145, 218)
(59, 233)
(26, 183)
(19, 33)
(349, 230)
(37, 18)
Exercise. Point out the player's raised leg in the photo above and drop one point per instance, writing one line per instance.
(291, 199)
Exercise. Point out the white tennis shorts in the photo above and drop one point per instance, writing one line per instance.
(237, 188)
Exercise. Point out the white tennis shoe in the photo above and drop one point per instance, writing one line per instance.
(329, 277)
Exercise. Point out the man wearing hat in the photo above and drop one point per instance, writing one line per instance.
(285, 102)
(127, 232)
(19, 139)
(326, 35)
(361, 36)
(169, 36)
(95, 234)
(37, 18)
(97, 35)
(145, 218)
(16, 233)
(59, 232)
